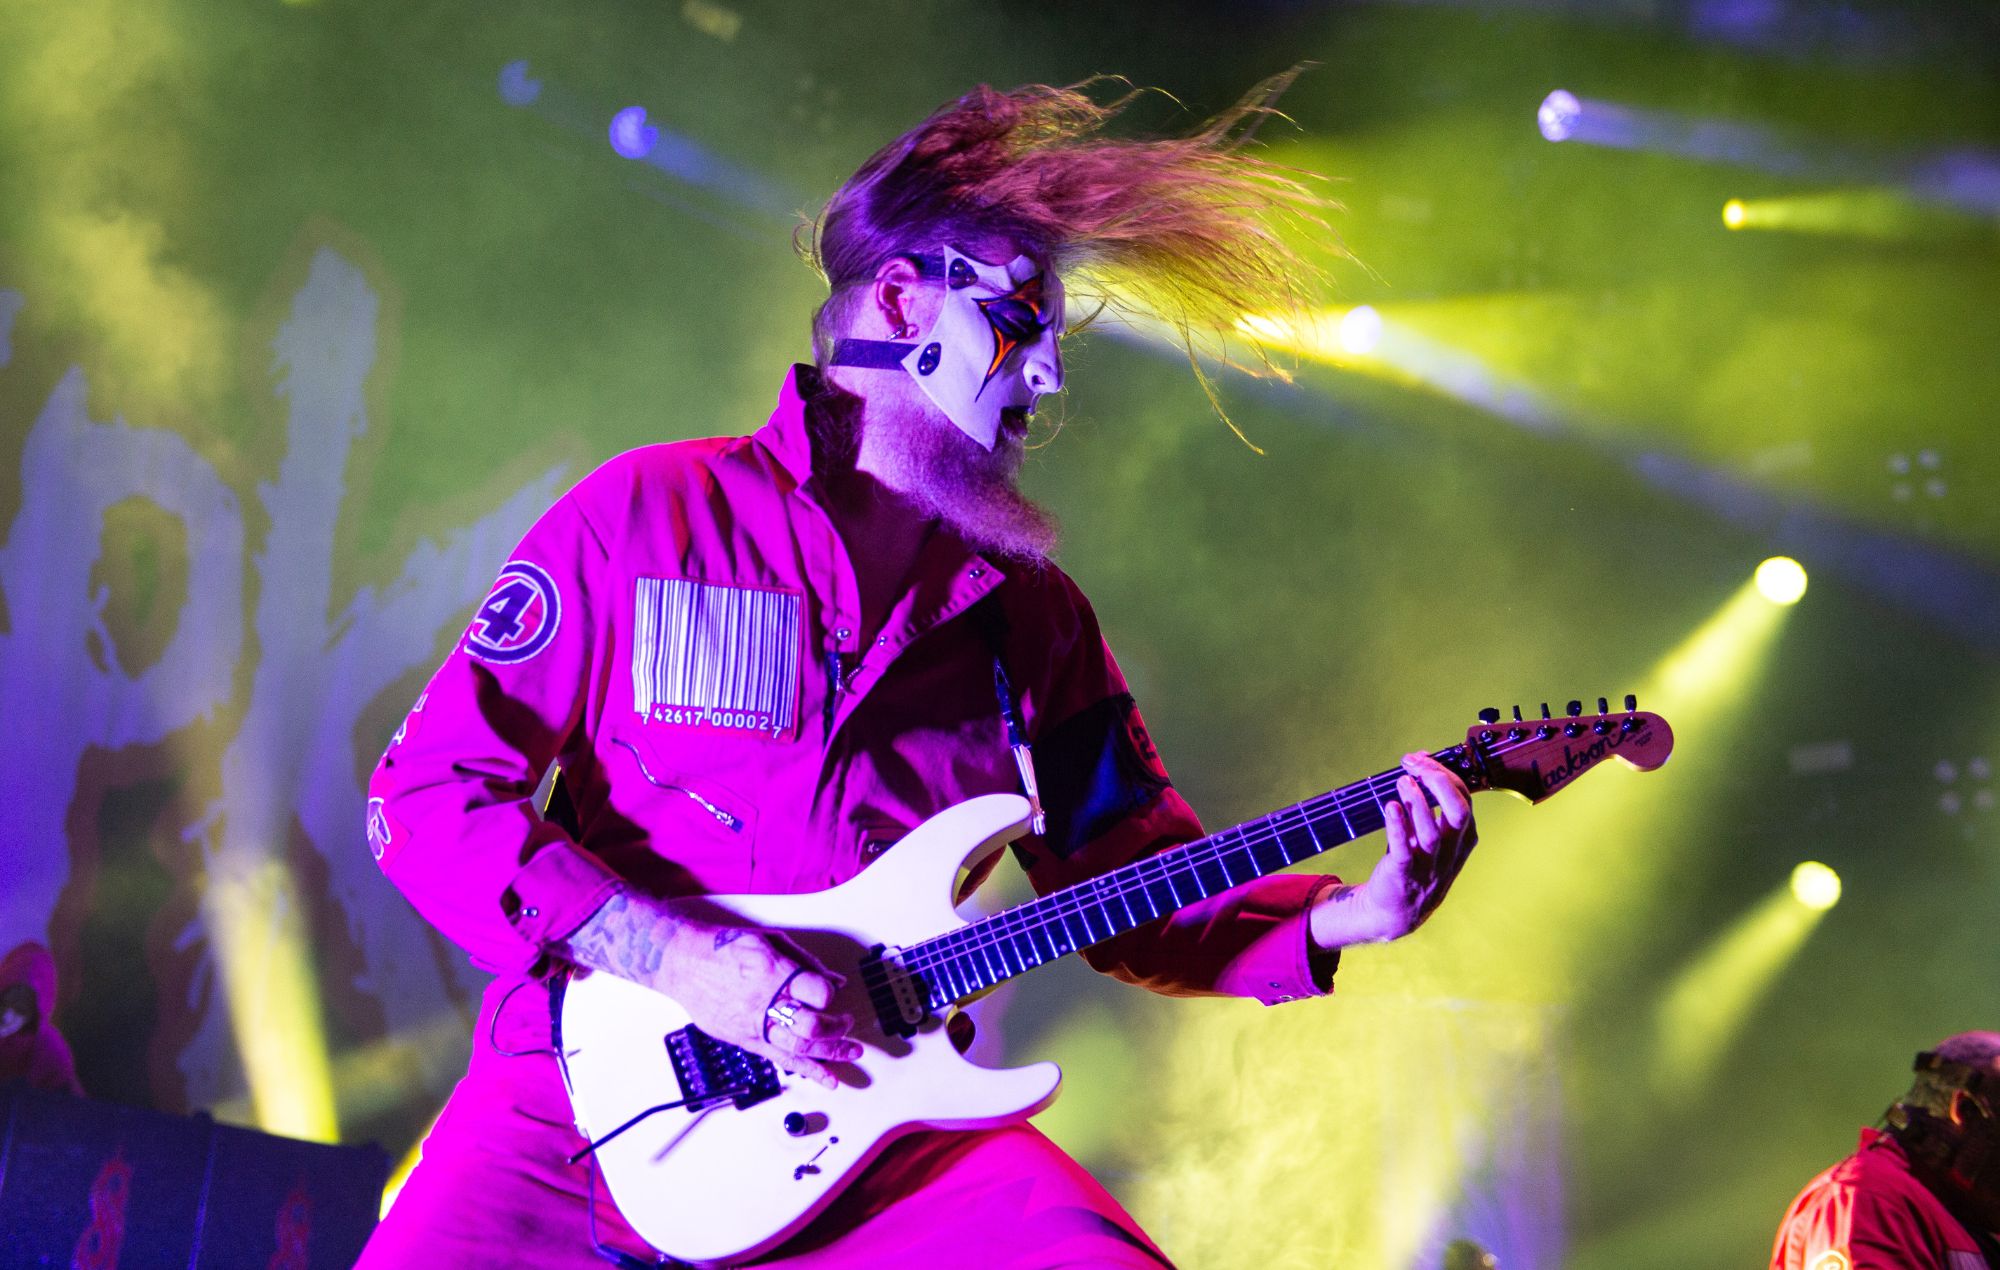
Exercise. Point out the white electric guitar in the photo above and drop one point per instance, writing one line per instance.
(713, 1155)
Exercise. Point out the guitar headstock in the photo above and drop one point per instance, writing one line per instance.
(1536, 757)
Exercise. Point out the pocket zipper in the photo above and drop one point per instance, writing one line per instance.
(728, 821)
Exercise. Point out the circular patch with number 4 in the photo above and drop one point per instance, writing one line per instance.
(518, 617)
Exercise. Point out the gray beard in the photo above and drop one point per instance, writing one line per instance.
(952, 477)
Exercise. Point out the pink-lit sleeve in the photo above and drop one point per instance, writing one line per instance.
(1110, 802)
(451, 818)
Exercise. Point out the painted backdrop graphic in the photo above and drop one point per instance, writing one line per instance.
(263, 681)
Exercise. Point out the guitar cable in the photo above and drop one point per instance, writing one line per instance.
(616, 1256)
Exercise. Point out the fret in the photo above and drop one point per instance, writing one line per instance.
(1125, 903)
(1150, 906)
(1340, 805)
(1297, 843)
(1075, 942)
(1208, 875)
(1235, 859)
(1041, 928)
(1085, 910)
(1269, 855)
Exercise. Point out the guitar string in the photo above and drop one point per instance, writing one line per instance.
(976, 948)
(968, 956)
(1044, 913)
(1001, 930)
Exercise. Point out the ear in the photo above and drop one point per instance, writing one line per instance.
(1966, 1108)
(893, 296)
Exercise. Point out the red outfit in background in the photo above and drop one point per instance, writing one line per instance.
(37, 1053)
(682, 634)
(1869, 1212)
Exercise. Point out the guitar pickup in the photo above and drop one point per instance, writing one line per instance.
(713, 1072)
(901, 997)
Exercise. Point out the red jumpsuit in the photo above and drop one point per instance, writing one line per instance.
(1869, 1212)
(681, 633)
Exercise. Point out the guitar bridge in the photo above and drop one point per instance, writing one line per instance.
(713, 1072)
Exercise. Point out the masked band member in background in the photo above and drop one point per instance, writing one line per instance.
(760, 659)
(31, 1049)
(1925, 1193)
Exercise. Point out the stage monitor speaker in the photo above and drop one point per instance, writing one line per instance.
(94, 1186)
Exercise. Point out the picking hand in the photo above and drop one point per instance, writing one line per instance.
(747, 987)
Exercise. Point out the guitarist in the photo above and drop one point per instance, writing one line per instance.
(760, 659)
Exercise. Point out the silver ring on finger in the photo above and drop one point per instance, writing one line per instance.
(784, 1011)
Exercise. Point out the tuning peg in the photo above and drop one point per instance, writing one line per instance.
(1491, 714)
(1575, 709)
(1545, 709)
(1603, 706)
(1631, 701)
(1517, 714)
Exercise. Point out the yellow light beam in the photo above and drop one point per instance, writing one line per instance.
(406, 1166)
(265, 962)
(1709, 1001)
(1877, 213)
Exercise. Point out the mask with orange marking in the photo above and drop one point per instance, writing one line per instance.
(993, 349)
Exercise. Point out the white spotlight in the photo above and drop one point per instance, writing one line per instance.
(1558, 114)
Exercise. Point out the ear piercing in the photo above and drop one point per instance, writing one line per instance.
(906, 332)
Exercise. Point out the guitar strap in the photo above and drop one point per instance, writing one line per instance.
(993, 626)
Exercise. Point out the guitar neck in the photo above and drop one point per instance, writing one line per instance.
(996, 948)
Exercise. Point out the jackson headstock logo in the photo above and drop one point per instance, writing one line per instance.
(1580, 758)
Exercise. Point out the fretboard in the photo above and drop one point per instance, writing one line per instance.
(986, 952)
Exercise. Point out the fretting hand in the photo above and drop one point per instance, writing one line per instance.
(1428, 844)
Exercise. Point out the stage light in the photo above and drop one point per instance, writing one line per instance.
(1734, 213)
(1360, 330)
(1781, 580)
(516, 89)
(1816, 886)
(631, 136)
(1558, 115)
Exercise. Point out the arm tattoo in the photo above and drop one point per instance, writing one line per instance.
(624, 939)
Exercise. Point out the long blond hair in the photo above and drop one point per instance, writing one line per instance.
(1196, 232)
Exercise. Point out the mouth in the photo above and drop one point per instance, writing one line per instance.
(1014, 420)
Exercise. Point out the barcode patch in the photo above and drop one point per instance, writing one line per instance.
(714, 656)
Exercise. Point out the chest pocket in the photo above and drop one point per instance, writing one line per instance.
(717, 658)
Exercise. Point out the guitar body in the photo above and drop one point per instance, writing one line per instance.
(724, 1183)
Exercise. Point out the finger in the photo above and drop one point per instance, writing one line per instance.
(1396, 826)
(1453, 800)
(800, 1065)
(1422, 821)
(786, 1050)
(837, 1049)
(809, 988)
(816, 1034)
(817, 1025)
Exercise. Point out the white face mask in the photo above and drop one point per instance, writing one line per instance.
(994, 345)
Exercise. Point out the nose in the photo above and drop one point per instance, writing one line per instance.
(1044, 370)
